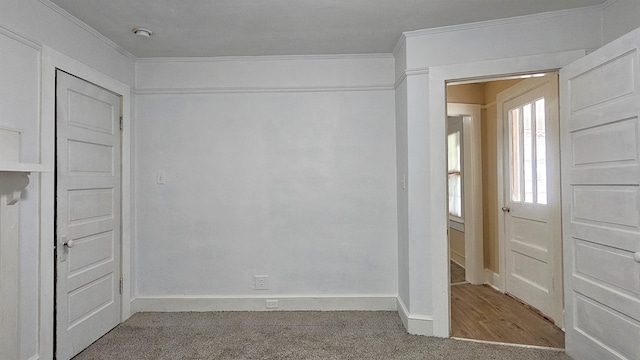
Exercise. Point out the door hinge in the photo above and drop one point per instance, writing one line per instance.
(121, 123)
(121, 285)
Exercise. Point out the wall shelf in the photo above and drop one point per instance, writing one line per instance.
(24, 167)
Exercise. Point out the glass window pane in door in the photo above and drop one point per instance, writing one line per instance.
(541, 152)
(516, 170)
(527, 153)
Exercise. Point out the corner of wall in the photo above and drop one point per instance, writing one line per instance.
(415, 324)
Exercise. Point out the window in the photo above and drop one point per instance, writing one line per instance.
(454, 167)
(528, 153)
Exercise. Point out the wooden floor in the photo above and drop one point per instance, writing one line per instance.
(482, 313)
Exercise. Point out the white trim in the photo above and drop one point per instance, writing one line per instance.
(249, 90)
(417, 71)
(410, 72)
(438, 77)
(52, 60)
(81, 24)
(400, 80)
(20, 38)
(607, 4)
(414, 324)
(510, 344)
(472, 189)
(489, 105)
(505, 21)
(251, 303)
(493, 279)
(458, 258)
(456, 224)
(208, 59)
(23, 167)
(402, 40)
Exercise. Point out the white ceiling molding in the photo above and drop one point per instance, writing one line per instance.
(401, 41)
(87, 28)
(20, 38)
(263, 58)
(253, 90)
(607, 3)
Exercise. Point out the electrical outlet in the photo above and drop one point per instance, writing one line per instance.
(272, 304)
(262, 282)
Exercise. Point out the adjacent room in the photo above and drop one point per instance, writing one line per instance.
(275, 179)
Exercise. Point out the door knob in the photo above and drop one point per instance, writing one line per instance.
(636, 257)
(506, 209)
(69, 244)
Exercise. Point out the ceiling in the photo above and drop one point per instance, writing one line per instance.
(285, 27)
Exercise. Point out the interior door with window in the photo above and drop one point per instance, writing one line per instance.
(532, 235)
(87, 213)
(601, 201)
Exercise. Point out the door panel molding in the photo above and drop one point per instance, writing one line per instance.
(600, 138)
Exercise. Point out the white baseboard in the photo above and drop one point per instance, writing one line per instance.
(415, 324)
(457, 258)
(493, 279)
(284, 303)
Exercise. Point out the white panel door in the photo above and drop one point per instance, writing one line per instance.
(532, 241)
(87, 213)
(601, 200)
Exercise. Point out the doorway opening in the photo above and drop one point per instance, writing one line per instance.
(504, 210)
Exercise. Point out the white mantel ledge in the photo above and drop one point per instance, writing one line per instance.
(12, 183)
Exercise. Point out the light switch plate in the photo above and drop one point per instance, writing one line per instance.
(161, 177)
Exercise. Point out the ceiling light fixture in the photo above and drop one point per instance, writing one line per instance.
(142, 32)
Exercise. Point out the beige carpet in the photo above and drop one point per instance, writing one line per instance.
(286, 335)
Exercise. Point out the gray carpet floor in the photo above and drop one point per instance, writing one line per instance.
(287, 335)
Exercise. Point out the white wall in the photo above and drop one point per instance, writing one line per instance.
(618, 18)
(274, 166)
(25, 26)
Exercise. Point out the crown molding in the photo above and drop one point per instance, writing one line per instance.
(401, 41)
(264, 58)
(489, 105)
(511, 20)
(410, 72)
(20, 38)
(253, 90)
(400, 80)
(607, 4)
(87, 28)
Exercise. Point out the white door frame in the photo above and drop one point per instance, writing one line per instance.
(438, 77)
(472, 193)
(52, 60)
